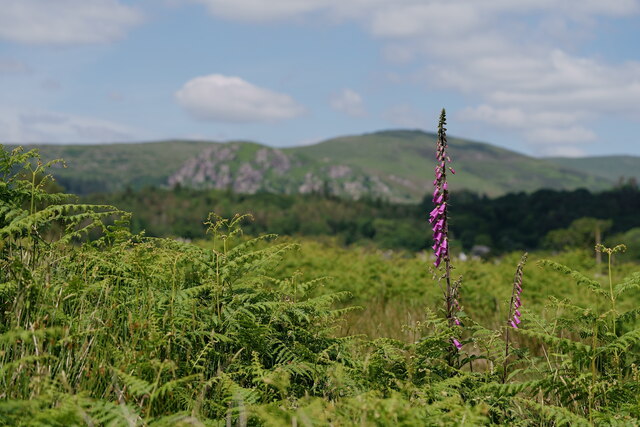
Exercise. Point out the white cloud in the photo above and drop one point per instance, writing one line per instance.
(420, 18)
(65, 21)
(549, 131)
(563, 151)
(563, 136)
(260, 10)
(309, 141)
(406, 116)
(519, 119)
(399, 53)
(515, 60)
(349, 102)
(231, 99)
(558, 93)
(12, 66)
(38, 126)
(405, 16)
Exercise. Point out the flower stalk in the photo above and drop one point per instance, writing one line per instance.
(514, 309)
(439, 220)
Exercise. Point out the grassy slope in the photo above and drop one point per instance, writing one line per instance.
(402, 159)
(607, 167)
(480, 167)
(115, 166)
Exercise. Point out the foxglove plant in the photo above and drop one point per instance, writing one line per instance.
(438, 218)
(514, 308)
(516, 291)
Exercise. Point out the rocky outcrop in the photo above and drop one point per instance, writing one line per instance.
(225, 166)
(275, 160)
(208, 169)
(249, 169)
(248, 180)
(311, 184)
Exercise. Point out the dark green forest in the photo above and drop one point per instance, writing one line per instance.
(545, 219)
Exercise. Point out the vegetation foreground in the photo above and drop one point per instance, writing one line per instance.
(100, 326)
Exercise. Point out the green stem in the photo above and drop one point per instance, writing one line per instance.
(32, 210)
(612, 296)
(616, 360)
(594, 344)
(33, 191)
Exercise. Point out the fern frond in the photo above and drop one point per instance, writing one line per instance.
(559, 416)
(19, 334)
(628, 316)
(624, 342)
(135, 385)
(171, 386)
(509, 389)
(628, 283)
(580, 278)
(563, 344)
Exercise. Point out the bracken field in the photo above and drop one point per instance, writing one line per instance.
(103, 326)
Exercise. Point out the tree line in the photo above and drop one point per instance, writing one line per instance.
(545, 219)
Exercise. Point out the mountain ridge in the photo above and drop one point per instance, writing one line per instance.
(394, 164)
(617, 168)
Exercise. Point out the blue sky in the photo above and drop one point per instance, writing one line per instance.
(537, 76)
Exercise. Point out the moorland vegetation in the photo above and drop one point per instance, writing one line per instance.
(100, 325)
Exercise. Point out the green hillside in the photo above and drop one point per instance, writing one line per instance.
(394, 165)
(480, 167)
(111, 167)
(611, 168)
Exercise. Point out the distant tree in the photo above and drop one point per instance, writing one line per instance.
(583, 232)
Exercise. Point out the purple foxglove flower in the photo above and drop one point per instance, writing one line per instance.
(457, 344)
(516, 302)
(438, 219)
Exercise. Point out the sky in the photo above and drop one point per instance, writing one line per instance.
(542, 77)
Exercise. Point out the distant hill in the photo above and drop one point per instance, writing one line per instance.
(610, 168)
(404, 160)
(111, 167)
(396, 165)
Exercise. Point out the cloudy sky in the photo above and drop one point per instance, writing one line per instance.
(543, 77)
